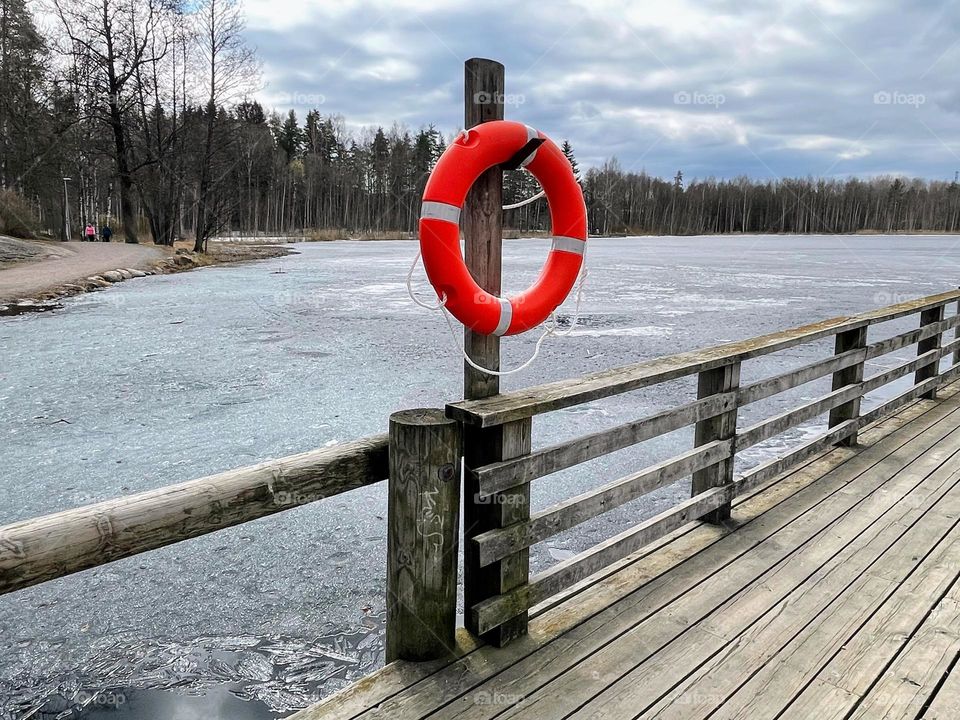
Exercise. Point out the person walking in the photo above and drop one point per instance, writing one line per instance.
(106, 233)
(90, 233)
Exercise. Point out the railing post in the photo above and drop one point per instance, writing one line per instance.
(482, 235)
(931, 370)
(723, 379)
(506, 442)
(846, 341)
(423, 509)
(956, 336)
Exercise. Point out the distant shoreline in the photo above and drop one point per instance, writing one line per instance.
(251, 241)
(36, 274)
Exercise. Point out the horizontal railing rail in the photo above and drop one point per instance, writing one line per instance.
(713, 415)
(48, 547)
(566, 393)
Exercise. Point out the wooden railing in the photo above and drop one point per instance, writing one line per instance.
(717, 439)
(422, 457)
(48, 547)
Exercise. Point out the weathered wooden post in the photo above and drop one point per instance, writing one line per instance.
(846, 341)
(723, 379)
(423, 509)
(483, 241)
(931, 370)
(956, 336)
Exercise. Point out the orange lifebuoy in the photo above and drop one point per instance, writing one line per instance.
(489, 144)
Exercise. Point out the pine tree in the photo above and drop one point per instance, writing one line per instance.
(567, 150)
(313, 133)
(22, 57)
(291, 138)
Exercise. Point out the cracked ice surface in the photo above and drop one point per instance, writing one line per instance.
(173, 377)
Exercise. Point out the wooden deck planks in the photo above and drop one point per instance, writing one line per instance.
(801, 534)
(770, 663)
(790, 681)
(825, 558)
(945, 704)
(708, 572)
(914, 676)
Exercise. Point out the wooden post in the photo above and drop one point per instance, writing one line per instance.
(483, 223)
(956, 336)
(933, 315)
(505, 442)
(850, 340)
(422, 529)
(723, 379)
(482, 231)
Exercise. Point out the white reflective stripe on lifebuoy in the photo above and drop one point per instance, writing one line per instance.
(506, 315)
(440, 211)
(568, 244)
(532, 134)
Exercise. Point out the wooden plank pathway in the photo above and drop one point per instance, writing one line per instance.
(832, 592)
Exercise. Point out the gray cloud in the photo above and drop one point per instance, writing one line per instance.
(722, 88)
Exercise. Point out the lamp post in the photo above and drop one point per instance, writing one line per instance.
(66, 211)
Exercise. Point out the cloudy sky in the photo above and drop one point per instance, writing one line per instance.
(714, 87)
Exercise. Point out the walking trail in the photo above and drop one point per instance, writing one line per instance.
(38, 266)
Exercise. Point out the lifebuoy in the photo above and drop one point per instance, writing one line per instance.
(476, 150)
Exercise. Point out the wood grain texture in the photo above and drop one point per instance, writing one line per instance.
(723, 379)
(796, 506)
(834, 647)
(912, 680)
(956, 335)
(765, 429)
(855, 339)
(766, 470)
(917, 391)
(33, 551)
(483, 92)
(496, 544)
(497, 610)
(485, 513)
(565, 393)
(423, 527)
(768, 664)
(509, 473)
(928, 317)
(484, 88)
(898, 342)
(645, 661)
(768, 387)
(950, 349)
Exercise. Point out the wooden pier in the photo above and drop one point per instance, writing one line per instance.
(831, 591)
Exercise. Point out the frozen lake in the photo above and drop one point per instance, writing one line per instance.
(169, 378)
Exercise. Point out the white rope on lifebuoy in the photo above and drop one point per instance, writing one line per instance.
(418, 301)
(529, 200)
(549, 329)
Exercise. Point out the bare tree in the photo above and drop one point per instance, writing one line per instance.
(116, 39)
(230, 70)
(160, 99)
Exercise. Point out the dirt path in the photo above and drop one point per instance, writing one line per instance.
(58, 263)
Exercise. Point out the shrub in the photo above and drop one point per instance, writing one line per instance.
(16, 216)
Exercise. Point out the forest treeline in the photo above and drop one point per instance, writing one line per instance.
(137, 113)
